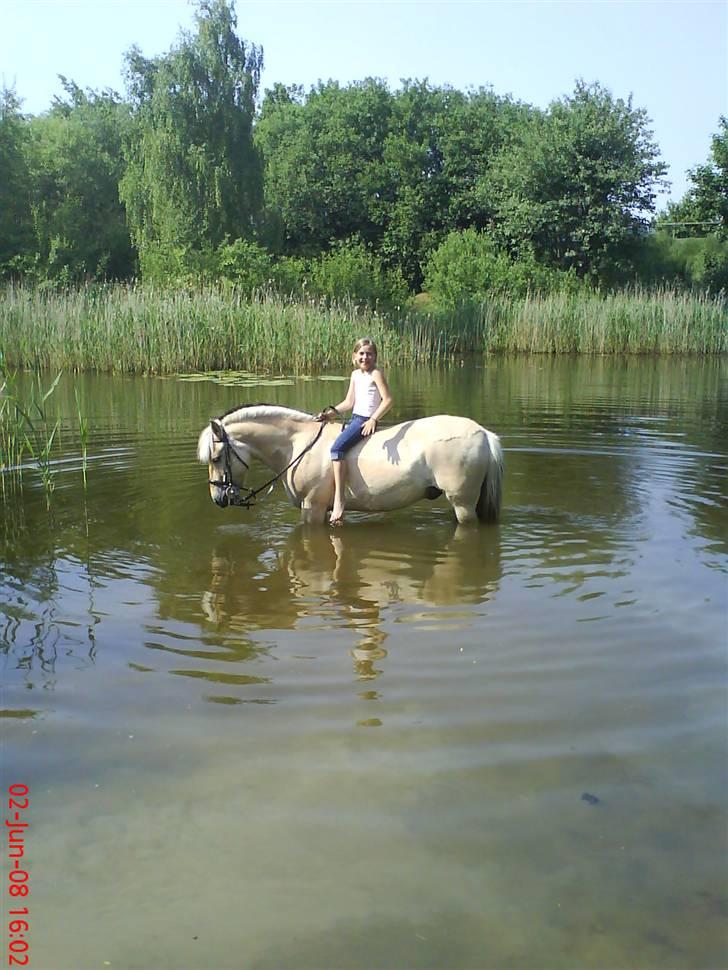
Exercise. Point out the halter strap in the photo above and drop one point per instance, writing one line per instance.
(233, 491)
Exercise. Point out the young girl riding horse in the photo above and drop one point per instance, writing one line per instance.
(370, 398)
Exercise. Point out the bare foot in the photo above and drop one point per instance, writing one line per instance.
(337, 515)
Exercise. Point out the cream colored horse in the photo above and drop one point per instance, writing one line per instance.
(390, 469)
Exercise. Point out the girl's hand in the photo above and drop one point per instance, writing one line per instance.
(369, 427)
(326, 415)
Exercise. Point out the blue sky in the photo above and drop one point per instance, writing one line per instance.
(670, 55)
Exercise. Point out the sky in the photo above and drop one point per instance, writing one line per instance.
(670, 56)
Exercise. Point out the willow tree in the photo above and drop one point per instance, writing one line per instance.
(193, 175)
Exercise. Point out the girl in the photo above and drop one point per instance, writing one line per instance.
(370, 398)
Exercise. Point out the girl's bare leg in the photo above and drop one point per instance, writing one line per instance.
(337, 512)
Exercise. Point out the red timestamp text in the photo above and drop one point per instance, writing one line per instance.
(18, 887)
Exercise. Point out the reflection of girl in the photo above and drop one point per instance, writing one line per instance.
(370, 398)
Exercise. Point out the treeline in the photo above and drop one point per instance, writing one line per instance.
(356, 190)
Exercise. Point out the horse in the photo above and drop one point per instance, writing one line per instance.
(390, 469)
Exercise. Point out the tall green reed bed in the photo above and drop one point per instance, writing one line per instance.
(27, 433)
(30, 433)
(138, 329)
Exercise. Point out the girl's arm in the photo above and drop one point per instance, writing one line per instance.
(346, 405)
(386, 403)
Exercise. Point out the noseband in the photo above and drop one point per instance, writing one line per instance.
(247, 496)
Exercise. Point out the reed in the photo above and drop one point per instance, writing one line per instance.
(26, 431)
(142, 329)
(82, 434)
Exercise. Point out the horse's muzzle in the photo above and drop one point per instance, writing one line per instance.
(220, 498)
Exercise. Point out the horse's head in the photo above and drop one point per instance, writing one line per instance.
(227, 463)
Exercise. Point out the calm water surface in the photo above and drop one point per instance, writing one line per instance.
(250, 745)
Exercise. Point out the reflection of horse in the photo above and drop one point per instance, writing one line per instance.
(388, 470)
(358, 580)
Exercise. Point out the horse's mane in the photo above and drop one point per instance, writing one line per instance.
(263, 410)
(241, 412)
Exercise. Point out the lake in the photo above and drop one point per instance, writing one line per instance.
(393, 745)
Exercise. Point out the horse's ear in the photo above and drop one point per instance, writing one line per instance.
(217, 430)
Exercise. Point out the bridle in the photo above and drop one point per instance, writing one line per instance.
(246, 497)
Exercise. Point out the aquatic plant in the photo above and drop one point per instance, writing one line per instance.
(25, 428)
(143, 329)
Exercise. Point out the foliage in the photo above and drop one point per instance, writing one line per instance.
(704, 208)
(711, 270)
(468, 266)
(324, 175)
(75, 160)
(395, 171)
(347, 192)
(577, 184)
(246, 264)
(697, 262)
(16, 226)
(193, 175)
(144, 329)
(349, 271)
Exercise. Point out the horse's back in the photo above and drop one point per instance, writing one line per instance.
(421, 432)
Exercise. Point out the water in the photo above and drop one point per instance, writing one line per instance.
(253, 745)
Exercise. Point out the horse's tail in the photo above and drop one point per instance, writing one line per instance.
(491, 490)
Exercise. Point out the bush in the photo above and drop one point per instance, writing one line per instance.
(468, 266)
(691, 262)
(350, 271)
(246, 264)
(710, 270)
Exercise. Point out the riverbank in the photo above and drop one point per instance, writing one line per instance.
(138, 329)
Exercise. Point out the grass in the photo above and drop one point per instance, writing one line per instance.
(140, 329)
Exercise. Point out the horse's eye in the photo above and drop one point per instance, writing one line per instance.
(216, 459)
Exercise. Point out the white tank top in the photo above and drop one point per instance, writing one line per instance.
(366, 394)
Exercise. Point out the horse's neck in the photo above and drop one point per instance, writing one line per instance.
(272, 442)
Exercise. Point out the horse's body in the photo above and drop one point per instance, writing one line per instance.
(392, 468)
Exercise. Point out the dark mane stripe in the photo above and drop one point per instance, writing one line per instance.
(294, 413)
(239, 407)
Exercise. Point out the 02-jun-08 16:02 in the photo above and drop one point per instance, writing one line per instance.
(18, 878)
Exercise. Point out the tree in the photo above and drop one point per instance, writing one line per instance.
(324, 174)
(704, 208)
(578, 184)
(395, 171)
(468, 266)
(194, 176)
(16, 227)
(441, 146)
(76, 162)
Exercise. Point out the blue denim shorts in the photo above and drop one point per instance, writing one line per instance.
(348, 437)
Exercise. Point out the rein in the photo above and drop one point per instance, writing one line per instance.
(233, 491)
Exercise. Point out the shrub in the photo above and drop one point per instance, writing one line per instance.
(246, 264)
(350, 271)
(468, 266)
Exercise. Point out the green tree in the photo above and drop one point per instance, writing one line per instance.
(325, 181)
(468, 266)
(440, 148)
(194, 176)
(395, 171)
(76, 161)
(16, 226)
(577, 185)
(704, 208)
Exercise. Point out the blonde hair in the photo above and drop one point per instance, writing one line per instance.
(364, 342)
